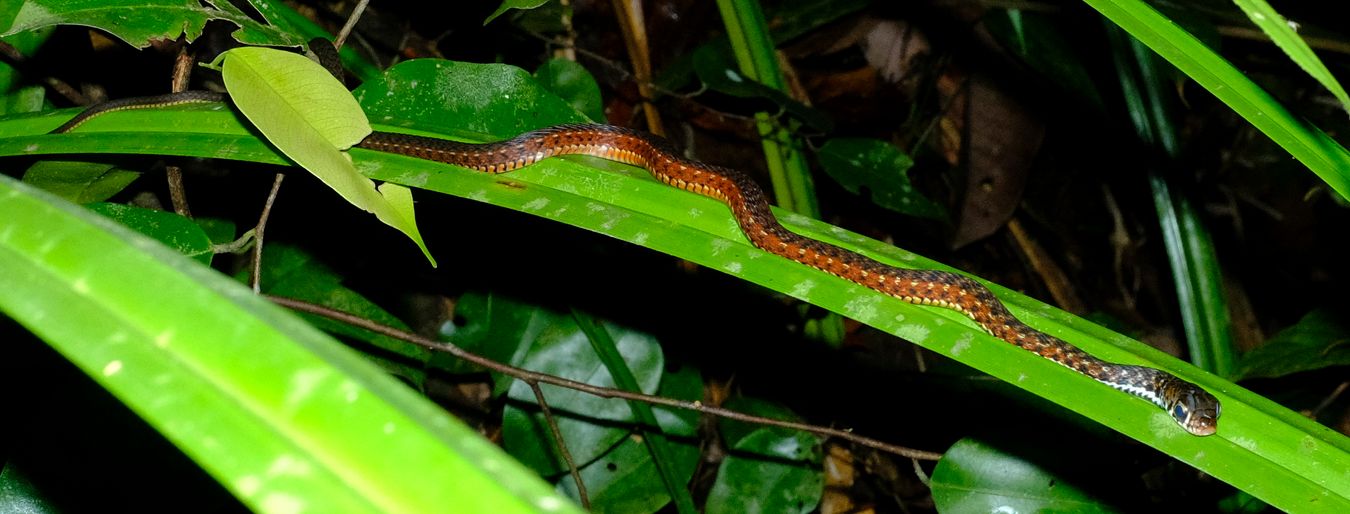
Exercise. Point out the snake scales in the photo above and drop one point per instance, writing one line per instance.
(1193, 408)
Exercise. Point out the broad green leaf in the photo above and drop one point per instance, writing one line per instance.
(18, 91)
(571, 82)
(80, 181)
(507, 5)
(140, 22)
(463, 99)
(974, 476)
(1285, 36)
(661, 449)
(174, 231)
(283, 91)
(590, 425)
(495, 326)
(400, 204)
(625, 480)
(311, 117)
(1321, 339)
(750, 483)
(768, 469)
(283, 416)
(879, 169)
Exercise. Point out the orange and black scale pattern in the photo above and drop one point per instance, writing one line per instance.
(1190, 405)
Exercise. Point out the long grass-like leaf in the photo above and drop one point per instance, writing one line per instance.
(1282, 33)
(1324, 156)
(1190, 250)
(1261, 447)
(789, 173)
(282, 415)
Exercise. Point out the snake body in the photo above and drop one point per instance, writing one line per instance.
(1192, 407)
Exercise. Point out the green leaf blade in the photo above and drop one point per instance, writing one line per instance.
(310, 427)
(1324, 156)
(1283, 34)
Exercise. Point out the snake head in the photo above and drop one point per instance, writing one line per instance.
(1196, 410)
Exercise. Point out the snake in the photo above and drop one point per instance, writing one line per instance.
(1192, 407)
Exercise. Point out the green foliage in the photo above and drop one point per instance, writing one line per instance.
(672, 221)
(79, 181)
(975, 476)
(1190, 248)
(570, 81)
(311, 117)
(435, 463)
(716, 69)
(174, 231)
(1320, 340)
(620, 465)
(153, 19)
(1324, 156)
(508, 5)
(279, 413)
(881, 169)
(767, 469)
(1285, 35)
(463, 100)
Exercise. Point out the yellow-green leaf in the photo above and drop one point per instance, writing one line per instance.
(310, 117)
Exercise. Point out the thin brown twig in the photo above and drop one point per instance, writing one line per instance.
(633, 25)
(1331, 398)
(602, 392)
(623, 72)
(182, 68)
(1054, 278)
(256, 276)
(651, 86)
(569, 50)
(560, 443)
(59, 86)
(351, 23)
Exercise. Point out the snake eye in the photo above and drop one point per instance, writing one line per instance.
(1179, 412)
